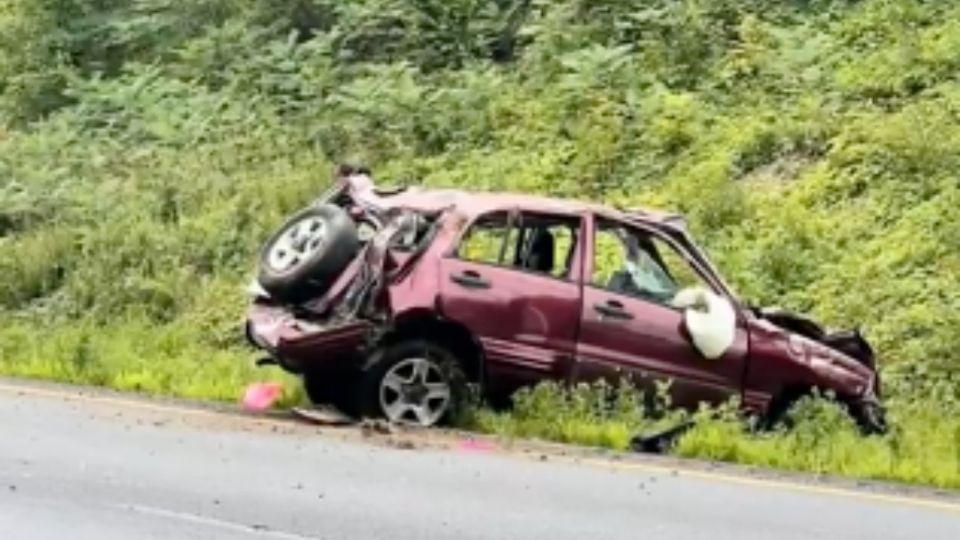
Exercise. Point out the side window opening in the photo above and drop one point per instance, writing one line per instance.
(548, 244)
(677, 267)
(487, 240)
(533, 243)
(633, 262)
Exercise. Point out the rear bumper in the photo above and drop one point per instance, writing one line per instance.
(297, 344)
(269, 325)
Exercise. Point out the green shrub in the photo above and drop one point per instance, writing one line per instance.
(923, 446)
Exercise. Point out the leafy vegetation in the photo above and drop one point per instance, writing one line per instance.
(922, 447)
(148, 146)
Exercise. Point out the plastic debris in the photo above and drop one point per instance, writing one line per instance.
(262, 395)
(323, 415)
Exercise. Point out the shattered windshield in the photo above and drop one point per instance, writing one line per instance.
(646, 274)
(631, 261)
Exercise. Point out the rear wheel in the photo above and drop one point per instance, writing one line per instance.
(413, 382)
(331, 388)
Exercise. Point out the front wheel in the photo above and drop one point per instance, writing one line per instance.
(413, 382)
(870, 417)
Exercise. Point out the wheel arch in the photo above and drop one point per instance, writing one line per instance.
(783, 399)
(789, 394)
(425, 324)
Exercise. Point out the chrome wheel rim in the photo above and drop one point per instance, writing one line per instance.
(302, 239)
(415, 391)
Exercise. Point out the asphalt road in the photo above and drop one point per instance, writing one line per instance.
(104, 469)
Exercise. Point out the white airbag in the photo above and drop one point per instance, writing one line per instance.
(709, 318)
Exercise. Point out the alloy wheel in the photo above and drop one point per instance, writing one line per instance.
(415, 391)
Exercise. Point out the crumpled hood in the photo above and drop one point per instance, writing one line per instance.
(811, 361)
(848, 342)
(847, 371)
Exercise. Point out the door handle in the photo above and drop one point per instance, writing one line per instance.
(470, 280)
(613, 310)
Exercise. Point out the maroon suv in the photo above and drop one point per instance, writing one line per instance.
(391, 302)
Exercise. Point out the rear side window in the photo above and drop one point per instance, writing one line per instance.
(531, 242)
(487, 239)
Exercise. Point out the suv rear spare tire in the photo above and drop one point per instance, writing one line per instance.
(307, 254)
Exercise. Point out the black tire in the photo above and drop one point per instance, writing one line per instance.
(318, 243)
(331, 388)
(871, 417)
(385, 360)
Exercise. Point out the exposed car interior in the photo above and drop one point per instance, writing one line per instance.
(627, 261)
(543, 244)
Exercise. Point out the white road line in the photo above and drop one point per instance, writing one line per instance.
(211, 522)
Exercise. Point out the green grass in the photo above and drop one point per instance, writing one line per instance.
(138, 356)
(922, 447)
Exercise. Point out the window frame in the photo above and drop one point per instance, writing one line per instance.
(468, 228)
(590, 265)
(578, 224)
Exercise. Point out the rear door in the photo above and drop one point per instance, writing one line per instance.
(629, 329)
(518, 292)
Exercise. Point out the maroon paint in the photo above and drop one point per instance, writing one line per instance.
(652, 346)
(527, 323)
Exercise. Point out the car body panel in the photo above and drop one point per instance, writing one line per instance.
(526, 322)
(652, 346)
(419, 288)
(324, 345)
(298, 343)
(780, 359)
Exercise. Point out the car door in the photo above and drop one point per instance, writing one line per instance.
(519, 296)
(628, 327)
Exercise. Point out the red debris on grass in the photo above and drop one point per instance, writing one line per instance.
(262, 395)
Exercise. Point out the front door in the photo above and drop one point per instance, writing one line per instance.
(629, 329)
(511, 281)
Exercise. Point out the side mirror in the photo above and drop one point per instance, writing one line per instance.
(710, 320)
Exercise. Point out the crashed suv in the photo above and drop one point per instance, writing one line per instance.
(393, 302)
